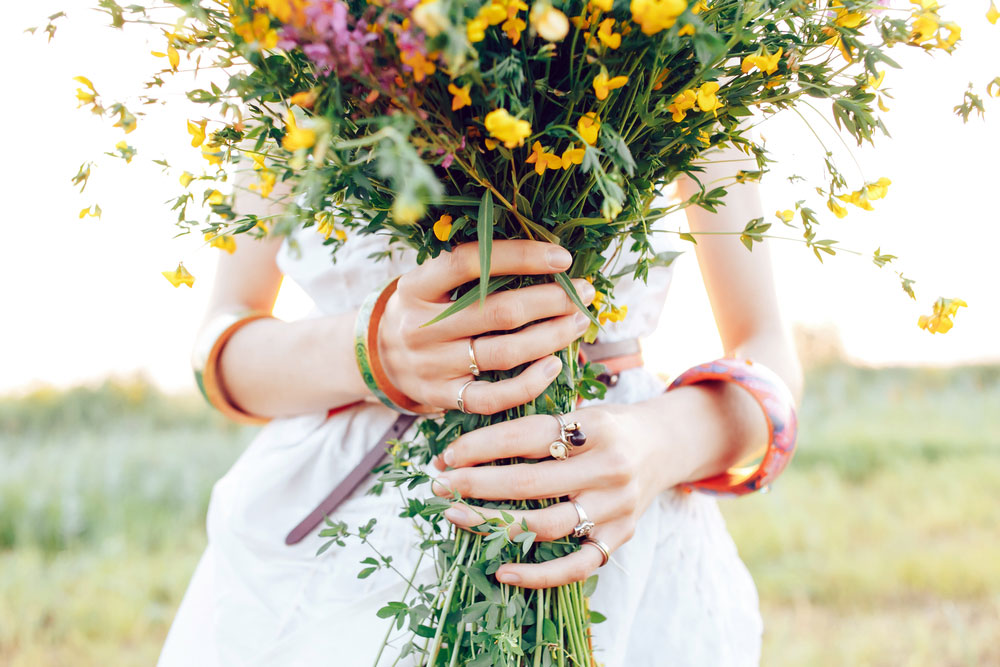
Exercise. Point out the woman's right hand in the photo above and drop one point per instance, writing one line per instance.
(431, 363)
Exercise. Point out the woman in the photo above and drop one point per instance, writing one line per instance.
(675, 591)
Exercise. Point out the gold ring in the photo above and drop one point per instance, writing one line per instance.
(473, 364)
(602, 547)
(461, 394)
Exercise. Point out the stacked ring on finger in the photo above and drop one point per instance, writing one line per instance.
(602, 547)
(584, 524)
(570, 436)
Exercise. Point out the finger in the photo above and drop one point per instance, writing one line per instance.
(550, 523)
(528, 481)
(527, 438)
(577, 566)
(507, 351)
(488, 398)
(511, 309)
(436, 278)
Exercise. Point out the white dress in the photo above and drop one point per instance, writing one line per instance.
(677, 594)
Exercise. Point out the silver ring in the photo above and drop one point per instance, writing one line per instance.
(461, 394)
(584, 524)
(473, 364)
(602, 547)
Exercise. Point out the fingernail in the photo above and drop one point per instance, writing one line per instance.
(441, 486)
(559, 258)
(581, 321)
(552, 366)
(449, 457)
(587, 292)
(457, 514)
(508, 578)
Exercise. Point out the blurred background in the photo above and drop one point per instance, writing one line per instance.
(879, 546)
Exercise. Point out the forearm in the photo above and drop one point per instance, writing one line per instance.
(272, 368)
(701, 430)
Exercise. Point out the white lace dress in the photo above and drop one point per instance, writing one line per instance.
(677, 594)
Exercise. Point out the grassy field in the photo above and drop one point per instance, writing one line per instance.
(879, 546)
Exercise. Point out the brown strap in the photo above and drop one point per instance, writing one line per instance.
(351, 482)
(591, 352)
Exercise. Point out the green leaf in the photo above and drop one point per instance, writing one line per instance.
(590, 586)
(467, 299)
(597, 617)
(485, 235)
(565, 283)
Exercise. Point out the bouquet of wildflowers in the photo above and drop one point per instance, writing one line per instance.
(439, 122)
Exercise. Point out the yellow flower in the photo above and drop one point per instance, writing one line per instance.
(126, 120)
(993, 14)
(837, 209)
(785, 216)
(572, 156)
(186, 178)
(939, 321)
(954, 35)
(588, 126)
(550, 23)
(707, 99)
(216, 198)
(93, 211)
(491, 144)
(764, 61)
(542, 159)
(86, 96)
(259, 161)
(612, 40)
(197, 132)
(324, 223)
(603, 5)
(179, 276)
(296, 138)
(442, 228)
(878, 190)
(212, 153)
(656, 15)
(876, 83)
(431, 17)
(682, 104)
(475, 29)
(258, 34)
(227, 243)
(604, 85)
(924, 28)
(461, 96)
(508, 129)
(514, 26)
(266, 182)
(616, 314)
(305, 99)
(687, 30)
(859, 198)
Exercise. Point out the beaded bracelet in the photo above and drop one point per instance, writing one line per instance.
(774, 398)
(205, 362)
(369, 360)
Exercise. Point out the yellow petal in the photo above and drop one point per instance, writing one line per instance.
(993, 14)
(179, 276)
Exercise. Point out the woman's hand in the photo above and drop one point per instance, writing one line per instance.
(614, 476)
(431, 363)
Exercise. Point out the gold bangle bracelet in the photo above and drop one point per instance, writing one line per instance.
(205, 362)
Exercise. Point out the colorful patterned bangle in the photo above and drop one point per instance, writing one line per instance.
(774, 398)
(369, 361)
(205, 363)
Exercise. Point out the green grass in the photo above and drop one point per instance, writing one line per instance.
(879, 545)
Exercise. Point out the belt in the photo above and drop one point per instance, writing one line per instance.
(614, 356)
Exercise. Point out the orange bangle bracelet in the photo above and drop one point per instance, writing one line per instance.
(205, 361)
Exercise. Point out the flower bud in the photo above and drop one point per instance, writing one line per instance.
(550, 23)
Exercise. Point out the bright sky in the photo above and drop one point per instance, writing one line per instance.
(84, 298)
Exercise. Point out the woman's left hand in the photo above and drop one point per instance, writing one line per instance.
(614, 476)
